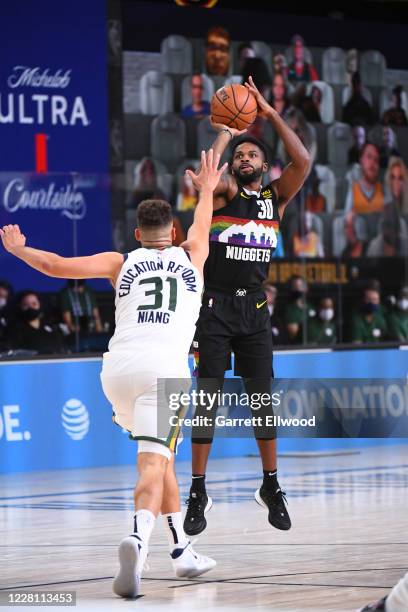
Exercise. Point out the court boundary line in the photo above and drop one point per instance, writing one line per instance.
(299, 584)
(238, 580)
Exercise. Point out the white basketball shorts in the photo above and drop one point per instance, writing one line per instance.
(137, 399)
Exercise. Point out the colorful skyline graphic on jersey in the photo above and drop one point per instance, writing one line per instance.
(244, 232)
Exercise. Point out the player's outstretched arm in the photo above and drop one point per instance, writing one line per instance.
(102, 265)
(206, 180)
(295, 173)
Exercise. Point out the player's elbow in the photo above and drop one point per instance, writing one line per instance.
(52, 267)
(305, 161)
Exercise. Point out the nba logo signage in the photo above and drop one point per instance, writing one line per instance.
(54, 130)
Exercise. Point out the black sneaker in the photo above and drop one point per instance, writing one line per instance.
(275, 502)
(198, 505)
(379, 606)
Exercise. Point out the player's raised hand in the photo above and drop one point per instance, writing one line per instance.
(233, 131)
(209, 174)
(12, 238)
(263, 106)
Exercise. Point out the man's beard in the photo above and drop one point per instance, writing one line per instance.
(249, 177)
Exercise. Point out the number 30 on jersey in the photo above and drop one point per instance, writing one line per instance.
(266, 209)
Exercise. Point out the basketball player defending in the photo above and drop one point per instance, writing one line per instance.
(234, 315)
(158, 295)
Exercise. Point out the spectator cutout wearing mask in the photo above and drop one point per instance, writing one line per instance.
(398, 319)
(30, 331)
(321, 329)
(368, 324)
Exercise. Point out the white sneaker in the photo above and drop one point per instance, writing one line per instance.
(132, 557)
(187, 563)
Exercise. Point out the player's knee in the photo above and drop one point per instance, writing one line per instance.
(152, 461)
(154, 458)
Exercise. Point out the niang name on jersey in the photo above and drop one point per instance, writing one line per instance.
(133, 273)
(153, 316)
(247, 254)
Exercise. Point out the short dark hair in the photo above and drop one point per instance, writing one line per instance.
(23, 294)
(369, 143)
(254, 141)
(373, 284)
(153, 213)
(296, 277)
(326, 296)
(6, 285)
(218, 31)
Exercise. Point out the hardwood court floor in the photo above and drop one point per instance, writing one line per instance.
(348, 544)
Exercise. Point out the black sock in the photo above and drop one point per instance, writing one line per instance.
(198, 483)
(270, 480)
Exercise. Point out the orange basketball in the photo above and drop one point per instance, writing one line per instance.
(234, 106)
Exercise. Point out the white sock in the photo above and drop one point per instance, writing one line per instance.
(144, 523)
(174, 529)
(397, 600)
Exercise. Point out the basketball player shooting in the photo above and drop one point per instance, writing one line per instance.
(234, 316)
(158, 294)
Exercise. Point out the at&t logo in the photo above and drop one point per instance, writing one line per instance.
(75, 419)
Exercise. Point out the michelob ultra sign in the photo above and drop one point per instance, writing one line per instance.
(54, 131)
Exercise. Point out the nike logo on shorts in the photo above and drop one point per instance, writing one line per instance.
(261, 304)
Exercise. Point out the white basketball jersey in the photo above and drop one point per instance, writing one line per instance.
(158, 297)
